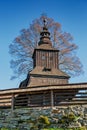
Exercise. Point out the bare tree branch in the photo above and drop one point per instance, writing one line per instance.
(23, 46)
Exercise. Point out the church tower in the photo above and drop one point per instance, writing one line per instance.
(45, 55)
(45, 63)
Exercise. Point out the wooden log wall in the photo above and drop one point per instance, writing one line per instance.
(53, 96)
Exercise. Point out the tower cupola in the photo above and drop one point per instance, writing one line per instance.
(45, 35)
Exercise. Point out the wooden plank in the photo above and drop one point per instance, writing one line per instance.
(12, 103)
(52, 99)
(45, 88)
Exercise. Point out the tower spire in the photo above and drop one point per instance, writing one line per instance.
(45, 34)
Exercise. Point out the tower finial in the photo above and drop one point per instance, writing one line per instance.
(45, 22)
(45, 34)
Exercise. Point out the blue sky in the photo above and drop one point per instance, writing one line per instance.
(18, 14)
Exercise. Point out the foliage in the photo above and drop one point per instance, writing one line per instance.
(81, 128)
(4, 129)
(23, 45)
(66, 119)
(44, 119)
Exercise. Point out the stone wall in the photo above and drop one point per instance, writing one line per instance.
(39, 118)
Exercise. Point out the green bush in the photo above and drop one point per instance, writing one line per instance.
(44, 119)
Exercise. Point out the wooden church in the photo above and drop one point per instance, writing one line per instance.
(46, 85)
(46, 75)
(45, 64)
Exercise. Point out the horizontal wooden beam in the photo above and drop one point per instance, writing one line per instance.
(46, 88)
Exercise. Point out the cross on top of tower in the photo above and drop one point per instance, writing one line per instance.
(45, 34)
(45, 22)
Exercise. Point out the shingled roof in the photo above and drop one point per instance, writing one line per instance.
(48, 72)
(46, 47)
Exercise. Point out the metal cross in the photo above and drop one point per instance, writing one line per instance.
(45, 22)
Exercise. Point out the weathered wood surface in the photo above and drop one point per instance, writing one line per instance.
(71, 94)
(43, 88)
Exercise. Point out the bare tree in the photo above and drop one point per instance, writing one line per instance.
(23, 45)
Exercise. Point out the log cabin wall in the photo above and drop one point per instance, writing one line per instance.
(40, 96)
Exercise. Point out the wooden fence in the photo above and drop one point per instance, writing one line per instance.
(57, 95)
